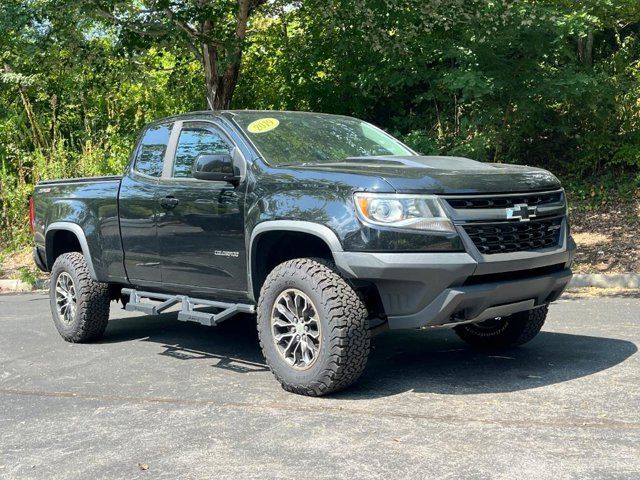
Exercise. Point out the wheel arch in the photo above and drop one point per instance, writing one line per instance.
(57, 233)
(321, 241)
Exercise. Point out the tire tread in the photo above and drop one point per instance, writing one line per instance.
(92, 297)
(349, 343)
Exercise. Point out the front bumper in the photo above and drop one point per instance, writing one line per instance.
(445, 289)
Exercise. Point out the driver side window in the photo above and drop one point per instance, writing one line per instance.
(195, 140)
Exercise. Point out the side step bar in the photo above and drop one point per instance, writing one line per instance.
(159, 302)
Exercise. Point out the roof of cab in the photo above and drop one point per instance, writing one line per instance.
(226, 113)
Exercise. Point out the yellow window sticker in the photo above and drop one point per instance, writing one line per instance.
(263, 125)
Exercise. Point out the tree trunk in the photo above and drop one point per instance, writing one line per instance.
(221, 85)
(227, 86)
(210, 63)
(585, 49)
(220, 88)
(588, 59)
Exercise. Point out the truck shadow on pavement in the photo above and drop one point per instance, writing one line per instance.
(438, 362)
(232, 346)
(419, 361)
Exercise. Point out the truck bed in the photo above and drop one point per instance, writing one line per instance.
(89, 204)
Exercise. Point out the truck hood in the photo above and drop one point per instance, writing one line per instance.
(444, 175)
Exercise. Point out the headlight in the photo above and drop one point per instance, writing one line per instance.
(414, 212)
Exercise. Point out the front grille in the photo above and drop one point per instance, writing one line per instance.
(507, 201)
(507, 237)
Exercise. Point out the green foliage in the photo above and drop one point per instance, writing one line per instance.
(72, 100)
(606, 188)
(29, 275)
(552, 83)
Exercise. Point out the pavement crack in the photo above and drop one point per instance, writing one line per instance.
(574, 422)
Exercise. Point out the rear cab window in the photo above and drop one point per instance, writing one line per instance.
(151, 151)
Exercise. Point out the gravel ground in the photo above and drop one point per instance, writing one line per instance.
(161, 399)
(607, 237)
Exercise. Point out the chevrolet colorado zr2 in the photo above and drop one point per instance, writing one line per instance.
(326, 227)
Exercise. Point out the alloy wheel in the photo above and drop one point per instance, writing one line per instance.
(66, 301)
(296, 329)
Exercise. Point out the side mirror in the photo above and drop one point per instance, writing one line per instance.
(214, 167)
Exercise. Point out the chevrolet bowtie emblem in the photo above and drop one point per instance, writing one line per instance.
(522, 212)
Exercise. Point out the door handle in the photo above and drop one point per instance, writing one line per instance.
(169, 202)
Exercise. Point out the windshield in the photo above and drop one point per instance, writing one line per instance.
(295, 138)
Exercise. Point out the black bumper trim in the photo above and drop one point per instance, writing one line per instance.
(469, 303)
(430, 289)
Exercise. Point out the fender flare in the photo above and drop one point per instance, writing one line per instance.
(323, 232)
(82, 239)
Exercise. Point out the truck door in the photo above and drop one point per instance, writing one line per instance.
(201, 223)
(138, 207)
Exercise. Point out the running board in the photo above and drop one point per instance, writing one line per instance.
(187, 313)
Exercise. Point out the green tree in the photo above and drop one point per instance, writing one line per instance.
(549, 83)
(214, 31)
(553, 83)
(72, 99)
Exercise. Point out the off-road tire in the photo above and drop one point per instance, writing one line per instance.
(345, 343)
(92, 305)
(511, 331)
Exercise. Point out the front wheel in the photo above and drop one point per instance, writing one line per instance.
(498, 333)
(79, 304)
(313, 328)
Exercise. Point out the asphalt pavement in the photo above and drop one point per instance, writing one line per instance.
(158, 398)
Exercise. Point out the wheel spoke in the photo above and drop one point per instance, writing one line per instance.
(282, 336)
(310, 321)
(290, 344)
(299, 302)
(297, 356)
(313, 334)
(285, 312)
(288, 306)
(307, 352)
(278, 322)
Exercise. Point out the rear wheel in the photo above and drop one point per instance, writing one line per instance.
(511, 331)
(79, 304)
(313, 328)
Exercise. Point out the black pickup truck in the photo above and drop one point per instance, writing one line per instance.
(325, 226)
